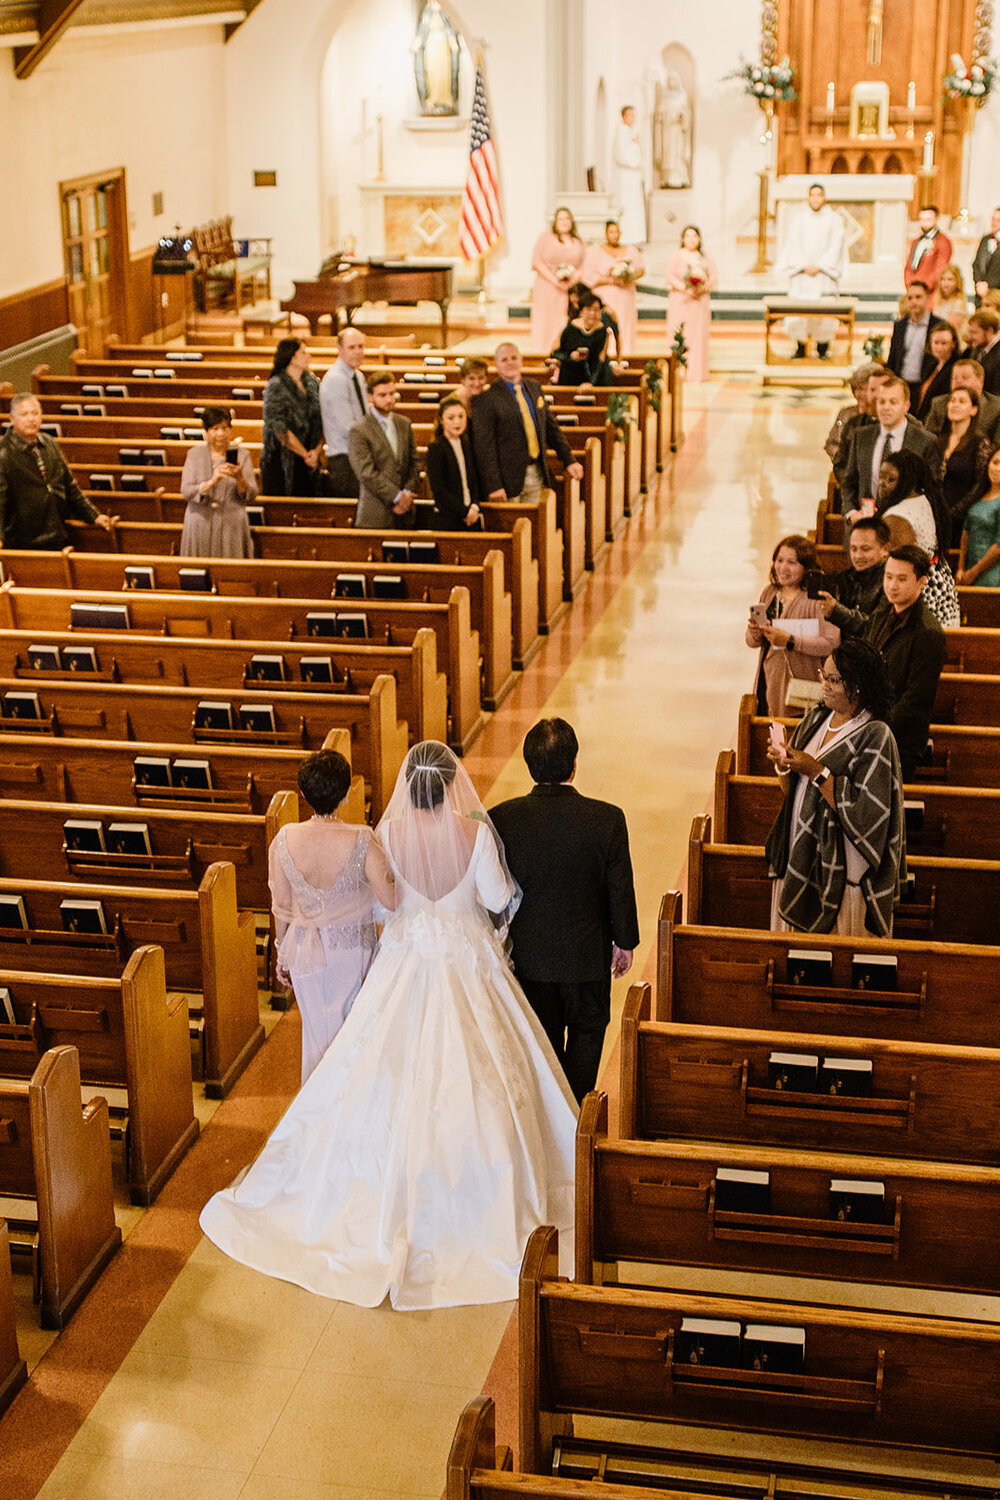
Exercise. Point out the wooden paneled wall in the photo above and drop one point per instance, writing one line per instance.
(38, 309)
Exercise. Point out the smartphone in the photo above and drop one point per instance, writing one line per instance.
(758, 614)
(777, 733)
(233, 455)
(868, 507)
(813, 580)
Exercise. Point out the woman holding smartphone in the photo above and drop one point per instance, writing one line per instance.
(789, 647)
(217, 482)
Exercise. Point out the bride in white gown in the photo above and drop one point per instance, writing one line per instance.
(437, 1131)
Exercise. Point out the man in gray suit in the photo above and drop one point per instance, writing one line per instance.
(383, 456)
(968, 375)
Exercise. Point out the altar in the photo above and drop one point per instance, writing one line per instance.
(876, 210)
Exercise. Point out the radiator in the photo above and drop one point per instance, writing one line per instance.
(52, 349)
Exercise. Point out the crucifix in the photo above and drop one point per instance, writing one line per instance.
(875, 8)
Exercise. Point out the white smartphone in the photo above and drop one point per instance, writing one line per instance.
(778, 738)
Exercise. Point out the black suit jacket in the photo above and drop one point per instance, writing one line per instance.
(897, 346)
(991, 366)
(570, 856)
(445, 480)
(986, 267)
(914, 653)
(856, 482)
(501, 442)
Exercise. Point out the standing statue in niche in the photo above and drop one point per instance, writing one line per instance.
(672, 134)
(437, 56)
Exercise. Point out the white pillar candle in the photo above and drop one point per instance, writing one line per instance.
(911, 97)
(928, 160)
(831, 94)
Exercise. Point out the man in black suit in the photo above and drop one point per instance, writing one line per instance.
(982, 334)
(969, 375)
(893, 430)
(986, 266)
(577, 924)
(910, 337)
(512, 427)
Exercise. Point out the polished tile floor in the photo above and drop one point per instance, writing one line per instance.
(188, 1376)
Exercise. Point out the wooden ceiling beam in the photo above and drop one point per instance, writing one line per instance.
(53, 18)
(249, 6)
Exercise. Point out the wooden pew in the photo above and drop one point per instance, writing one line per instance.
(546, 547)
(952, 901)
(55, 1181)
(958, 822)
(587, 1469)
(973, 648)
(208, 947)
(421, 690)
(13, 1370)
(655, 1202)
(870, 1377)
(928, 1102)
(133, 1046)
(726, 976)
(202, 615)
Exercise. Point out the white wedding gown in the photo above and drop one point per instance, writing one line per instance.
(436, 1133)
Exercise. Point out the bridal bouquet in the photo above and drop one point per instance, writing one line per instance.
(565, 273)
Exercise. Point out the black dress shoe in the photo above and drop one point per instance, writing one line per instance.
(800, 351)
(823, 350)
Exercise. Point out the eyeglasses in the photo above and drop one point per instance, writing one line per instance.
(831, 678)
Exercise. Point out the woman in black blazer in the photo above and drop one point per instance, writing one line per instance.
(456, 505)
(942, 351)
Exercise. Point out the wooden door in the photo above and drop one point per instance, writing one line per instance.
(95, 241)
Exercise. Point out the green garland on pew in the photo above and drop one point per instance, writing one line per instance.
(873, 346)
(619, 414)
(654, 384)
(679, 348)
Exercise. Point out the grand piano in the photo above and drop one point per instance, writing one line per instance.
(398, 282)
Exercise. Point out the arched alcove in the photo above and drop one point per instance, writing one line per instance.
(839, 164)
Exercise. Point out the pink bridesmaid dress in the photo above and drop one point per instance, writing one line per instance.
(618, 297)
(549, 310)
(693, 314)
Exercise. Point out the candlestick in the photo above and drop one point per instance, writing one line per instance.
(928, 158)
(380, 158)
(831, 95)
(911, 96)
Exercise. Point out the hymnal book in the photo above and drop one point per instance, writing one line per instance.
(193, 433)
(421, 552)
(213, 715)
(45, 658)
(95, 409)
(81, 613)
(388, 586)
(51, 429)
(258, 717)
(434, 359)
(129, 455)
(243, 393)
(84, 833)
(154, 458)
(79, 659)
(71, 408)
(113, 616)
(268, 668)
(855, 1202)
(133, 483)
(191, 355)
(413, 377)
(908, 889)
(196, 775)
(82, 916)
(152, 770)
(176, 434)
(7, 1015)
(316, 668)
(12, 912)
(549, 400)
(795, 1071)
(139, 576)
(422, 513)
(913, 812)
(164, 372)
(810, 966)
(709, 1341)
(779, 1350)
(349, 586)
(874, 971)
(567, 419)
(255, 515)
(142, 372)
(320, 622)
(352, 627)
(584, 400)
(198, 580)
(740, 1191)
(21, 706)
(120, 391)
(101, 482)
(431, 397)
(851, 1076)
(435, 377)
(396, 552)
(91, 390)
(128, 838)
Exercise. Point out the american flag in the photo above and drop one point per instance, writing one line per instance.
(482, 215)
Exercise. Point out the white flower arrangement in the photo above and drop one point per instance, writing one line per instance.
(622, 271)
(976, 82)
(564, 272)
(766, 81)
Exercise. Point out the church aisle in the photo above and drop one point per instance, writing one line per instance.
(234, 1385)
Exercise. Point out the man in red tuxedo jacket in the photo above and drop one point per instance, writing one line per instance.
(929, 253)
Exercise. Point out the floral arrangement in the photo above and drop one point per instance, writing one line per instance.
(975, 82)
(766, 81)
(679, 348)
(619, 414)
(565, 273)
(654, 383)
(695, 278)
(622, 272)
(873, 346)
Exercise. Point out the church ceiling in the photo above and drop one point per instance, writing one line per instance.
(35, 26)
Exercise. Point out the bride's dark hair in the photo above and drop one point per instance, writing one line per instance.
(430, 768)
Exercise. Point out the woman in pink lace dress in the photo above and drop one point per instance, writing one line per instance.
(556, 261)
(691, 275)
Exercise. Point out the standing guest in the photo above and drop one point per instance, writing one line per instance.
(691, 276)
(556, 261)
(217, 482)
(848, 416)
(581, 354)
(979, 552)
(910, 336)
(629, 189)
(867, 416)
(474, 378)
(986, 265)
(929, 253)
(787, 653)
(512, 427)
(577, 924)
(451, 469)
(343, 402)
(965, 453)
(813, 258)
(383, 456)
(612, 270)
(855, 594)
(952, 303)
(836, 850)
(38, 493)
(293, 424)
(911, 502)
(894, 430)
(939, 361)
(324, 874)
(982, 335)
(968, 373)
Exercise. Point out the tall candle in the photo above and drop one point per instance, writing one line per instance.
(911, 97)
(831, 94)
(928, 161)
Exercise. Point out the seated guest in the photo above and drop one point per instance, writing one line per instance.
(292, 446)
(383, 455)
(895, 430)
(929, 253)
(836, 849)
(979, 552)
(939, 361)
(451, 469)
(581, 353)
(968, 373)
(913, 647)
(910, 336)
(965, 452)
(855, 593)
(217, 482)
(952, 303)
(982, 335)
(865, 416)
(38, 493)
(475, 373)
(912, 505)
(511, 429)
(785, 652)
(858, 408)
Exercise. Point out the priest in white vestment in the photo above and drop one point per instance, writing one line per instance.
(628, 188)
(813, 257)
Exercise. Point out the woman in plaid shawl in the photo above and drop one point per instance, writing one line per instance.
(837, 848)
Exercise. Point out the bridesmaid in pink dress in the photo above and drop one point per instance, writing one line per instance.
(559, 246)
(617, 293)
(691, 275)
